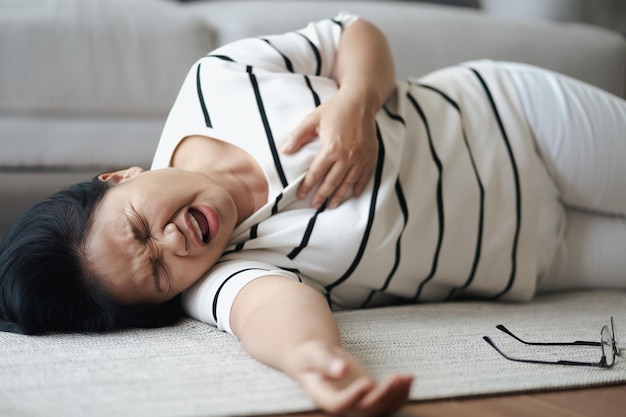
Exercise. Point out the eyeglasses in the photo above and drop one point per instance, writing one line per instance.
(608, 344)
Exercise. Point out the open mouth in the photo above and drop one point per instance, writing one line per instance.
(200, 224)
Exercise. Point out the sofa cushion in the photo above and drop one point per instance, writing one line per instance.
(425, 37)
(90, 143)
(96, 57)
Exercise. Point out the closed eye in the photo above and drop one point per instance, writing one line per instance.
(141, 233)
(139, 227)
(159, 266)
(144, 232)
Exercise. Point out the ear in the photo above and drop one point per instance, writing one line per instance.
(120, 176)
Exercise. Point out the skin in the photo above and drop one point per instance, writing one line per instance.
(139, 231)
(231, 185)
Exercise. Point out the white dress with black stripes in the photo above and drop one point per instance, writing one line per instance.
(450, 211)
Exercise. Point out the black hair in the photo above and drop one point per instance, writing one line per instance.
(45, 283)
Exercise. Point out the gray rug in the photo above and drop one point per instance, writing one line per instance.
(192, 370)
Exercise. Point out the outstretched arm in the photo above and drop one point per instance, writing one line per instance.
(288, 325)
(365, 73)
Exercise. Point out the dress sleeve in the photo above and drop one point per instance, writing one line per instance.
(311, 50)
(210, 299)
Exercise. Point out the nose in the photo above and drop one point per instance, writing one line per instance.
(173, 240)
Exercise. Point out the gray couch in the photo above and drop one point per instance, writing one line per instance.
(87, 84)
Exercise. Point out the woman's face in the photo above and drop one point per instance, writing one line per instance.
(156, 232)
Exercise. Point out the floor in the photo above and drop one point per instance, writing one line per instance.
(604, 401)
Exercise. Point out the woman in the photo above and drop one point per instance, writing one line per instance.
(294, 175)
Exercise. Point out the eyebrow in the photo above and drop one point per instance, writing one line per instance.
(138, 234)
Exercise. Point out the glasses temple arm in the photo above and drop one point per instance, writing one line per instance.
(602, 362)
(576, 343)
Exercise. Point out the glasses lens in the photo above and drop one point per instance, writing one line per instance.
(615, 341)
(607, 346)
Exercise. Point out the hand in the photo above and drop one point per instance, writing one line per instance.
(346, 128)
(308, 348)
(339, 384)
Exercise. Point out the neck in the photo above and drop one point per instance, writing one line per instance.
(241, 189)
(228, 166)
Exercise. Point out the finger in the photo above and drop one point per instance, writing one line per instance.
(348, 398)
(304, 133)
(382, 391)
(340, 194)
(403, 391)
(330, 184)
(389, 396)
(317, 171)
(399, 393)
(363, 180)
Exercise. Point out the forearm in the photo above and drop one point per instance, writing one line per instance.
(289, 326)
(365, 64)
(274, 317)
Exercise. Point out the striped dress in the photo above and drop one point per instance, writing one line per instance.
(449, 212)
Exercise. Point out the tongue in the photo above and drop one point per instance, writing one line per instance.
(202, 222)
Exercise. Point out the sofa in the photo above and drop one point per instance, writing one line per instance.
(86, 85)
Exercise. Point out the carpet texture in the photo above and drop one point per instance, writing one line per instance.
(193, 370)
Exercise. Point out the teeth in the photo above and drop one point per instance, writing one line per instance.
(195, 225)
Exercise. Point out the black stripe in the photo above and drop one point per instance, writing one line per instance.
(288, 64)
(307, 233)
(405, 215)
(254, 229)
(337, 22)
(316, 97)
(275, 206)
(207, 119)
(393, 116)
(518, 194)
(268, 130)
(222, 57)
(440, 212)
(443, 95)
(292, 270)
(316, 51)
(239, 247)
(372, 212)
(481, 188)
(217, 293)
